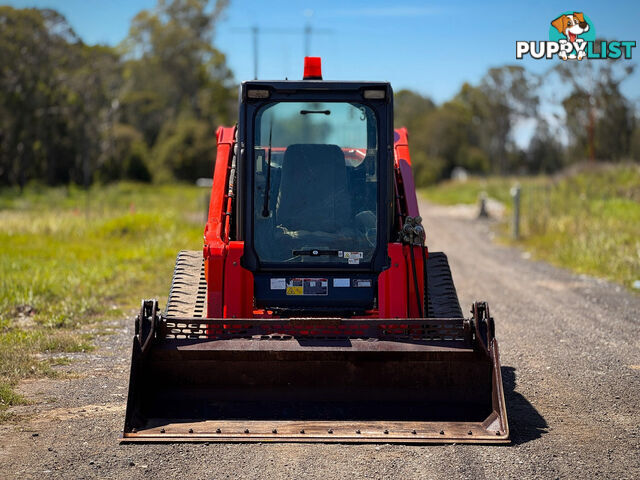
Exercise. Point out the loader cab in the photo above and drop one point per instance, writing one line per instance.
(315, 196)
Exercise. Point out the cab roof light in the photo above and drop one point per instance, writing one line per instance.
(312, 68)
(376, 94)
(258, 93)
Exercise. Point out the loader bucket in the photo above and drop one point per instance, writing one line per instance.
(315, 380)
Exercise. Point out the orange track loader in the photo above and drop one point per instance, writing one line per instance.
(315, 312)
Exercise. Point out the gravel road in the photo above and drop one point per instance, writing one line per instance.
(571, 366)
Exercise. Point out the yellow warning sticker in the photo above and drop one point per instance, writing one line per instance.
(308, 286)
(297, 290)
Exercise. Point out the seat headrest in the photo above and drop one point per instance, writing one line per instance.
(314, 192)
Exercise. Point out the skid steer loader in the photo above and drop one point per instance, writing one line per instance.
(314, 312)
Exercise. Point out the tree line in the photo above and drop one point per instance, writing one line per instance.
(147, 109)
(476, 129)
(70, 112)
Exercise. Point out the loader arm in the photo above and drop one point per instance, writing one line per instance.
(216, 232)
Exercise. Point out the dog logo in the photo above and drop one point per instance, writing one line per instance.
(571, 25)
(572, 36)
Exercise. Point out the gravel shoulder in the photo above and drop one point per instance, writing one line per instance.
(571, 366)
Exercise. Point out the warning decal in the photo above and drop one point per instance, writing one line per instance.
(308, 286)
(353, 258)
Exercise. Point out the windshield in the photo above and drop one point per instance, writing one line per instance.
(315, 183)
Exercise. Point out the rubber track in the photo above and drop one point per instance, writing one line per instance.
(443, 298)
(188, 292)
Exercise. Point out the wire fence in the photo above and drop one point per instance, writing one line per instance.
(591, 227)
(536, 208)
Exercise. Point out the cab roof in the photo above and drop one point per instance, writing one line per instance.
(319, 89)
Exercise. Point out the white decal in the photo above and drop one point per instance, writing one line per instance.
(340, 282)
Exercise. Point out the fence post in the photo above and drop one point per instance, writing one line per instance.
(515, 194)
(482, 200)
(547, 205)
(205, 183)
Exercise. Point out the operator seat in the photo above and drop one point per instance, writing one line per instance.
(314, 195)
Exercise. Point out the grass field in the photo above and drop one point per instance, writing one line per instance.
(588, 220)
(67, 264)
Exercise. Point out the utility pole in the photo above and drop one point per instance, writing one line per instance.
(307, 38)
(255, 31)
(307, 32)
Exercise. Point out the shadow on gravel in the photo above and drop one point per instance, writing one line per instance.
(525, 423)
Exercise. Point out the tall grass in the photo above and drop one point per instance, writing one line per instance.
(587, 220)
(69, 259)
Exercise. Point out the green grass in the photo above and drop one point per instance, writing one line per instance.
(588, 220)
(66, 264)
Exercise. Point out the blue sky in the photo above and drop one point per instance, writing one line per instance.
(430, 47)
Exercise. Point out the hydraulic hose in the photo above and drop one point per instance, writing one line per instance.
(425, 296)
(415, 281)
(413, 235)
